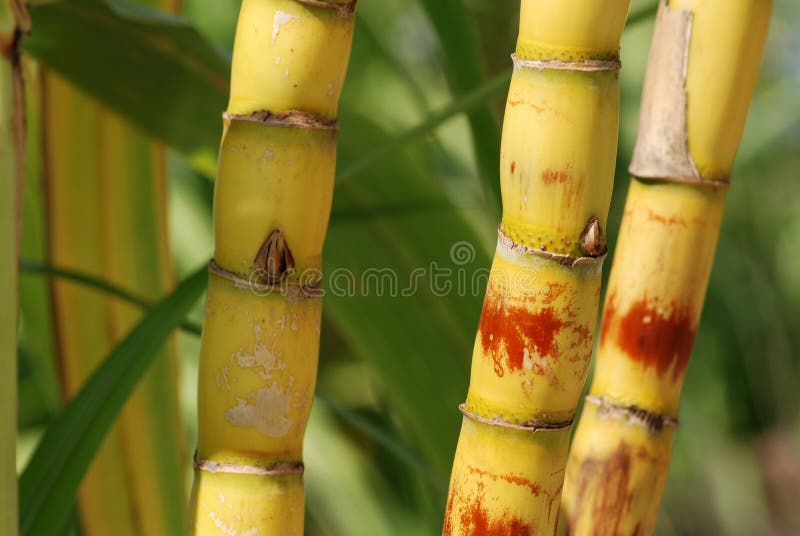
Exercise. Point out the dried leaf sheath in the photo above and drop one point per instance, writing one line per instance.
(272, 202)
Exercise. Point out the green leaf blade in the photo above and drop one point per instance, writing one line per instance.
(464, 68)
(49, 483)
(155, 69)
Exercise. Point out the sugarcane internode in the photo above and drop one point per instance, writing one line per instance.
(534, 341)
(272, 201)
(701, 75)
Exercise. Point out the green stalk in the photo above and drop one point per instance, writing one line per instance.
(8, 314)
(12, 150)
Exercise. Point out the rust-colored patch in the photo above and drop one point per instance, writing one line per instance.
(637, 530)
(513, 167)
(534, 488)
(604, 482)
(514, 103)
(447, 530)
(583, 337)
(653, 339)
(516, 329)
(553, 292)
(475, 521)
(574, 192)
(553, 176)
(671, 221)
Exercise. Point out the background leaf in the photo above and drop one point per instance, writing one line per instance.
(153, 68)
(48, 485)
(463, 64)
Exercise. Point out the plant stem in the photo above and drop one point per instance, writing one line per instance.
(702, 71)
(12, 157)
(272, 202)
(536, 330)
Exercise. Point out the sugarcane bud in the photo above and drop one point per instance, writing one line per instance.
(593, 243)
(274, 259)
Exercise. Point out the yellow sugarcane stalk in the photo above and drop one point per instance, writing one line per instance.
(536, 330)
(272, 201)
(106, 216)
(703, 68)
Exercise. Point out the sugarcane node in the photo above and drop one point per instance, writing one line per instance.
(274, 259)
(593, 242)
(568, 261)
(632, 414)
(291, 119)
(713, 184)
(612, 64)
(531, 425)
(343, 9)
(276, 469)
(292, 291)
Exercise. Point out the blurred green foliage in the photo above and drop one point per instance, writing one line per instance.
(416, 179)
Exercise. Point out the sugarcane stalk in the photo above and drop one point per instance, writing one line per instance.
(106, 189)
(13, 22)
(702, 72)
(272, 202)
(535, 335)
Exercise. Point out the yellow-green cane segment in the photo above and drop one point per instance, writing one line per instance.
(272, 202)
(701, 75)
(536, 331)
